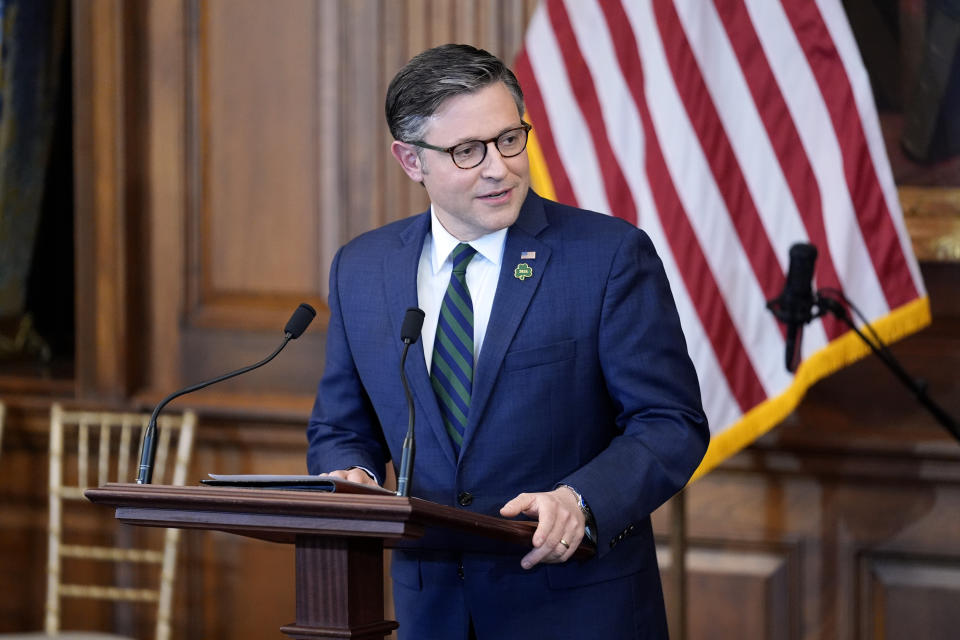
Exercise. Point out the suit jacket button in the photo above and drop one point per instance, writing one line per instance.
(465, 498)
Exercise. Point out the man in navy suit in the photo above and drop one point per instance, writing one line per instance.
(579, 407)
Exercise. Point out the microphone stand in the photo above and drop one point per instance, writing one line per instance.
(828, 304)
(409, 332)
(409, 445)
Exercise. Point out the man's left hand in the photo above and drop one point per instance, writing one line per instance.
(560, 524)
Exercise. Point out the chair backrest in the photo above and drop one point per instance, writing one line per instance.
(89, 449)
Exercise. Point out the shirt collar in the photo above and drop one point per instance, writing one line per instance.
(489, 246)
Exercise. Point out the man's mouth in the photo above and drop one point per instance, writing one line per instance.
(496, 195)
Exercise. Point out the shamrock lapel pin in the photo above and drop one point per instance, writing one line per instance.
(523, 271)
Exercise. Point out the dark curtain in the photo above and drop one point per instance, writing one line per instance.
(33, 37)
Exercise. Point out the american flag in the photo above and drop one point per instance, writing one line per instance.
(728, 130)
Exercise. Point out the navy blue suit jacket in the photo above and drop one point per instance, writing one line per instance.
(583, 379)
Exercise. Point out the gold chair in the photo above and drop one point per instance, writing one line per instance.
(111, 440)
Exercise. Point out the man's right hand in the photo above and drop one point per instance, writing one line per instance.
(356, 474)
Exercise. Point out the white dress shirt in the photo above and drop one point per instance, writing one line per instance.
(433, 276)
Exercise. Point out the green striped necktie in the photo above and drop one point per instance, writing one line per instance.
(452, 370)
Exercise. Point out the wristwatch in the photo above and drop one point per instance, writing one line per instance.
(590, 523)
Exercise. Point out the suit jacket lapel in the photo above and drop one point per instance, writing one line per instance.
(509, 304)
(400, 275)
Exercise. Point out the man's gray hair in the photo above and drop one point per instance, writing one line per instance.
(435, 75)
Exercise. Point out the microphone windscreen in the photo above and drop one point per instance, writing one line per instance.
(412, 323)
(300, 320)
(798, 291)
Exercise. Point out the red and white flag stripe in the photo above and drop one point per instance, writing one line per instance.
(728, 130)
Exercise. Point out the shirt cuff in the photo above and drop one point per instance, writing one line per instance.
(368, 472)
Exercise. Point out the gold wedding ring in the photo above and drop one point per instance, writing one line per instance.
(564, 543)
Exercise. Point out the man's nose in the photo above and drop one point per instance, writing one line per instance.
(493, 165)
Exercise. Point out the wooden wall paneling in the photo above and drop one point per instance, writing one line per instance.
(442, 22)
(764, 580)
(364, 155)
(907, 597)
(166, 184)
(255, 109)
(416, 37)
(829, 524)
(400, 26)
(239, 588)
(514, 20)
(128, 150)
(102, 239)
(259, 111)
(252, 166)
(487, 24)
(134, 289)
(466, 16)
(23, 520)
(330, 138)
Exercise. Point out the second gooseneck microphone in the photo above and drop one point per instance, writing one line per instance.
(409, 333)
(296, 325)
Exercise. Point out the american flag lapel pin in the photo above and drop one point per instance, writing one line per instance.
(528, 255)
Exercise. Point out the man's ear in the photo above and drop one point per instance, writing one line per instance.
(406, 155)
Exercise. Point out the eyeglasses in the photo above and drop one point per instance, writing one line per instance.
(471, 153)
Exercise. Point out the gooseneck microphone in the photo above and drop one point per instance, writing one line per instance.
(409, 333)
(296, 325)
(794, 305)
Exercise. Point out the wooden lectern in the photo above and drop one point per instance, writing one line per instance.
(339, 540)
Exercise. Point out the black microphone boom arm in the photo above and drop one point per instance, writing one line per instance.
(829, 304)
